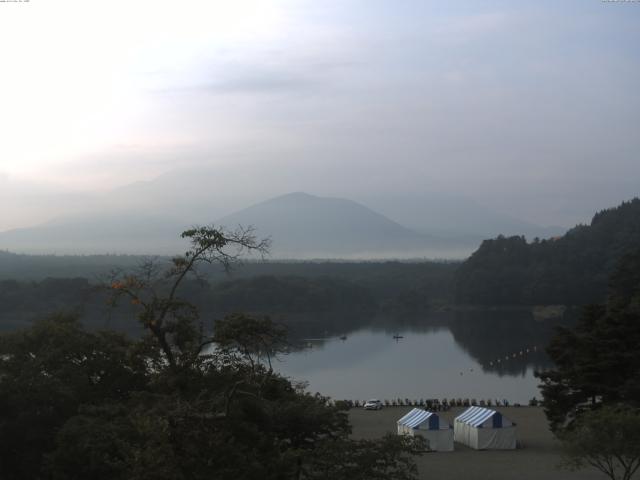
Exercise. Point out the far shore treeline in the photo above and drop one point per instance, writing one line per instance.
(506, 271)
(355, 291)
(573, 269)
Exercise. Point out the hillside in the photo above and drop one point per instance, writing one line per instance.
(572, 269)
(306, 226)
(454, 216)
(99, 233)
(300, 225)
(287, 290)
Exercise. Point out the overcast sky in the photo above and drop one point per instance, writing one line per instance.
(530, 107)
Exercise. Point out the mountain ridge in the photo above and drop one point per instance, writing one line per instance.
(571, 269)
(314, 226)
(302, 226)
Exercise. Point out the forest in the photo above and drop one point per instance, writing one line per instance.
(505, 271)
(164, 405)
(568, 270)
(127, 410)
(352, 292)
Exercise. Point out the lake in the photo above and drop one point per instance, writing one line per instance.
(481, 356)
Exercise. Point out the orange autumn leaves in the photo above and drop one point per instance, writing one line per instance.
(127, 285)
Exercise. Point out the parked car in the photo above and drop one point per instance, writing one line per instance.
(373, 404)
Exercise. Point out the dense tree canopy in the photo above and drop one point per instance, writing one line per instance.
(176, 403)
(607, 439)
(571, 270)
(598, 361)
(292, 294)
(288, 290)
(46, 373)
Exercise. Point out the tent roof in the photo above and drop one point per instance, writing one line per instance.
(415, 418)
(475, 416)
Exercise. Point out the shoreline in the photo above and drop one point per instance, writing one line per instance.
(537, 458)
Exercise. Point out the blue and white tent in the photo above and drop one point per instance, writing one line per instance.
(438, 433)
(484, 429)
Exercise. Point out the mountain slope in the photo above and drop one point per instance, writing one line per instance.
(300, 225)
(454, 215)
(209, 193)
(303, 225)
(100, 233)
(572, 269)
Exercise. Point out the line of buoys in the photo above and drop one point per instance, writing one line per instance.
(520, 353)
(492, 363)
(433, 404)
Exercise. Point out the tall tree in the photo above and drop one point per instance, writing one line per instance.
(607, 439)
(46, 373)
(572, 269)
(598, 361)
(166, 406)
(155, 292)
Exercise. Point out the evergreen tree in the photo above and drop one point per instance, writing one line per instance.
(178, 403)
(570, 270)
(598, 361)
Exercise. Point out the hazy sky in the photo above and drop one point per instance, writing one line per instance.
(532, 107)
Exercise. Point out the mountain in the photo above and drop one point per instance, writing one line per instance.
(306, 226)
(439, 213)
(208, 193)
(572, 269)
(212, 193)
(300, 226)
(197, 195)
(103, 232)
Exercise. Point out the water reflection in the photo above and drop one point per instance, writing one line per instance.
(505, 343)
(451, 354)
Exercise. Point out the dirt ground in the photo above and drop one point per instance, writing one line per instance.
(537, 459)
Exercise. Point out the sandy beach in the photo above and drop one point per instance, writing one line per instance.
(537, 459)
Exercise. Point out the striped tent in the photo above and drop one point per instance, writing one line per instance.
(438, 433)
(483, 429)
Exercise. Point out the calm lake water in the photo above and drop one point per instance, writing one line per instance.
(482, 357)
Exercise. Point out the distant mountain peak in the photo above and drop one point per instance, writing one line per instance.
(297, 195)
(302, 225)
(293, 196)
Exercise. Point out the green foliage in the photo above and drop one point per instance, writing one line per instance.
(46, 373)
(228, 420)
(289, 290)
(253, 339)
(97, 442)
(387, 459)
(607, 439)
(153, 292)
(169, 405)
(291, 294)
(572, 269)
(598, 361)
